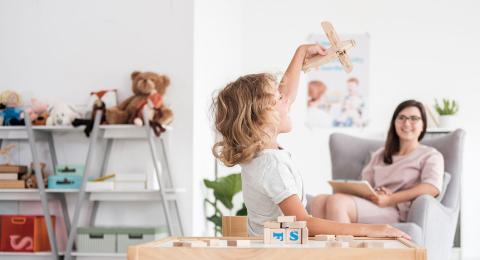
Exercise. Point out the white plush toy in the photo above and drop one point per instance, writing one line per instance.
(62, 114)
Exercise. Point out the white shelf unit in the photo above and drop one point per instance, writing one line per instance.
(32, 134)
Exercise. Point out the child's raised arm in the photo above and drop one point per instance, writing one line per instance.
(289, 84)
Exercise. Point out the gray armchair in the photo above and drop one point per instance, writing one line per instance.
(430, 222)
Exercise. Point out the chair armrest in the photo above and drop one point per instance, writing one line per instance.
(432, 217)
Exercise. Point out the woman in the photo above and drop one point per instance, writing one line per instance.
(401, 171)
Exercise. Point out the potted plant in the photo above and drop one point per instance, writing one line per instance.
(224, 189)
(447, 111)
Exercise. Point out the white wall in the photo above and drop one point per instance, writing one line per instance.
(62, 50)
(217, 59)
(419, 49)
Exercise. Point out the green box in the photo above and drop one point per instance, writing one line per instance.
(132, 236)
(96, 240)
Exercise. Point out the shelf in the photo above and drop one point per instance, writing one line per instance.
(145, 195)
(99, 254)
(28, 253)
(108, 195)
(29, 194)
(125, 131)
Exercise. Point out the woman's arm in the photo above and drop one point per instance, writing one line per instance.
(289, 84)
(292, 206)
(386, 199)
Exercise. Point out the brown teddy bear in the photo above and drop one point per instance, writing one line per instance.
(143, 85)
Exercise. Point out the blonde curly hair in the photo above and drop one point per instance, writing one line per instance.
(245, 117)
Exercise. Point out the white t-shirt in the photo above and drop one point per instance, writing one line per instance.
(268, 179)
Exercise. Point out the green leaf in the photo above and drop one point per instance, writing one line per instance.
(216, 220)
(224, 188)
(242, 211)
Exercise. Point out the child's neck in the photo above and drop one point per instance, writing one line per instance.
(273, 144)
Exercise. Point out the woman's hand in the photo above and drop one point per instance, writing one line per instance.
(385, 231)
(382, 200)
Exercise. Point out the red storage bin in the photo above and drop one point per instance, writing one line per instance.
(24, 233)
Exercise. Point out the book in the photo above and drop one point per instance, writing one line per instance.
(12, 184)
(353, 187)
(9, 168)
(9, 176)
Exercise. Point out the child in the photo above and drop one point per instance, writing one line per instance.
(249, 114)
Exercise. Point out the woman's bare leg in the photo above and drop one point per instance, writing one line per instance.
(318, 206)
(341, 208)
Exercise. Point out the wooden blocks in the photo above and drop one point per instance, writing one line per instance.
(296, 224)
(285, 230)
(234, 226)
(277, 236)
(356, 244)
(272, 224)
(345, 238)
(182, 244)
(336, 243)
(238, 243)
(325, 237)
(286, 219)
(211, 242)
(304, 235)
(293, 235)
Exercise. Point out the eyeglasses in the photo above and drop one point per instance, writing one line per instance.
(413, 119)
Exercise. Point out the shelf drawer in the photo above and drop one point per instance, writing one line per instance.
(96, 240)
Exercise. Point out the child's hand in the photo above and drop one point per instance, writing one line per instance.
(312, 50)
(385, 231)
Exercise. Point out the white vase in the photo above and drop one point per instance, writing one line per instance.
(448, 121)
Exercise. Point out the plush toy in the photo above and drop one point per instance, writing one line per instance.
(98, 105)
(31, 180)
(155, 113)
(38, 112)
(11, 114)
(143, 85)
(62, 114)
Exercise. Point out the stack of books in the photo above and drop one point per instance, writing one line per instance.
(11, 176)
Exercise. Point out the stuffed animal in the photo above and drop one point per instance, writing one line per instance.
(11, 114)
(99, 105)
(31, 180)
(143, 84)
(62, 114)
(38, 112)
(156, 113)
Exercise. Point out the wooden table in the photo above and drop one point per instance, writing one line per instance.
(394, 249)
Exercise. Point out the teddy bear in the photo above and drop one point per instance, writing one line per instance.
(38, 112)
(143, 85)
(153, 113)
(11, 114)
(62, 114)
(31, 180)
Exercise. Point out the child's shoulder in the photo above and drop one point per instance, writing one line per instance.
(269, 157)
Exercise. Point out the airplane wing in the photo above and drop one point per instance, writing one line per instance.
(331, 34)
(345, 61)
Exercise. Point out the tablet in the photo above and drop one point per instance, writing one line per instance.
(353, 187)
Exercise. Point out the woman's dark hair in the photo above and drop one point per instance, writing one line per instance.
(392, 145)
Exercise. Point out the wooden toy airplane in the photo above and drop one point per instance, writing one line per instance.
(337, 51)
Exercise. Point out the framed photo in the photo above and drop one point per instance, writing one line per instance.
(335, 98)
